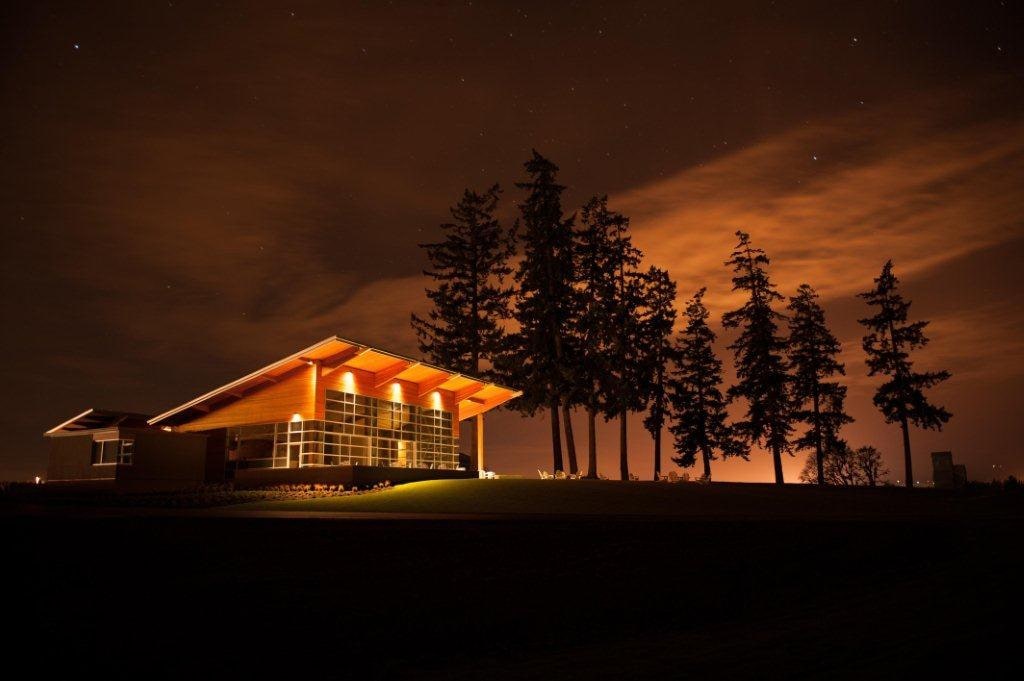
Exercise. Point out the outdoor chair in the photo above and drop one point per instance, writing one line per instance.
(673, 476)
(559, 475)
(544, 475)
(634, 476)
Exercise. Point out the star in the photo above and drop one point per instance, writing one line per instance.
(76, 46)
(813, 157)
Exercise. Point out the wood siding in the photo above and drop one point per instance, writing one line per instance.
(303, 394)
(273, 403)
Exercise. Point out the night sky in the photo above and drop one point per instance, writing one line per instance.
(193, 189)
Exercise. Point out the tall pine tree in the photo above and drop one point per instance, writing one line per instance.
(471, 302)
(658, 352)
(818, 398)
(888, 345)
(596, 251)
(535, 360)
(626, 378)
(762, 378)
(698, 408)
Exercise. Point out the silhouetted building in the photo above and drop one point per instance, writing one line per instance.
(335, 412)
(945, 473)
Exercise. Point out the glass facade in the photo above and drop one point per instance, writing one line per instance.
(356, 431)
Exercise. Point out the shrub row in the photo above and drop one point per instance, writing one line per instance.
(203, 496)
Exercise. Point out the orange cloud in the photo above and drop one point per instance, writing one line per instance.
(831, 201)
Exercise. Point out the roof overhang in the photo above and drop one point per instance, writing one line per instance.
(98, 419)
(337, 354)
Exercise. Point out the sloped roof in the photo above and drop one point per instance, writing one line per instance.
(336, 352)
(98, 419)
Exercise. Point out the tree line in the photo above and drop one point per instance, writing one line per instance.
(559, 306)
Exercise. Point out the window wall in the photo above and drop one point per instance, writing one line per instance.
(356, 431)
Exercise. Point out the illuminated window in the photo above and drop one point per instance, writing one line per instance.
(107, 452)
(357, 431)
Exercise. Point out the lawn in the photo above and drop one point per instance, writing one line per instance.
(650, 499)
(574, 580)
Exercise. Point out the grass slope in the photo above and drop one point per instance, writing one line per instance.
(600, 497)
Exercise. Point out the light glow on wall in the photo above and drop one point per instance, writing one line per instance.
(435, 401)
(396, 392)
(348, 382)
(296, 417)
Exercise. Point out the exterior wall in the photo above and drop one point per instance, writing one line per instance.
(71, 459)
(276, 402)
(160, 460)
(216, 455)
(360, 476)
(171, 459)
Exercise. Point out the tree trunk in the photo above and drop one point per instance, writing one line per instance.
(570, 440)
(623, 447)
(657, 455)
(907, 463)
(474, 366)
(777, 460)
(591, 443)
(819, 453)
(706, 455)
(556, 437)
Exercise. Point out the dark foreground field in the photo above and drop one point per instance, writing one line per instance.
(196, 595)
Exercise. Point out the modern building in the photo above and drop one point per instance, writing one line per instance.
(335, 412)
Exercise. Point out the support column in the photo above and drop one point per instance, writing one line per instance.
(319, 392)
(479, 442)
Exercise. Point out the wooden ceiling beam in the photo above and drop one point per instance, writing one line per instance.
(388, 374)
(339, 358)
(433, 384)
(465, 393)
